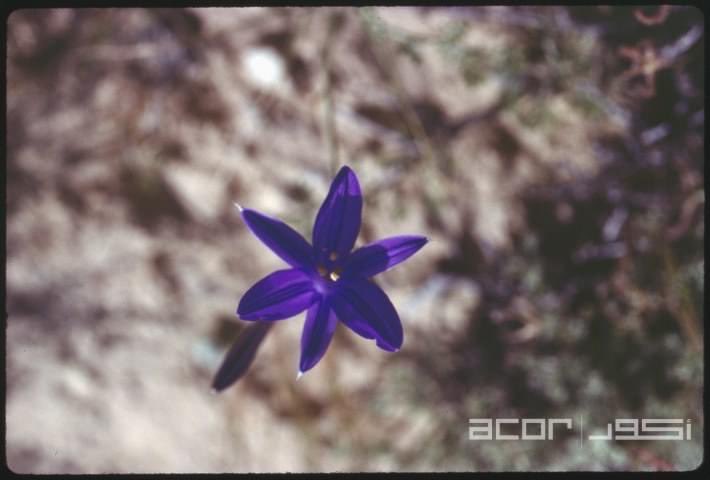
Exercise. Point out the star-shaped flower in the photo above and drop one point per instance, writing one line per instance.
(326, 279)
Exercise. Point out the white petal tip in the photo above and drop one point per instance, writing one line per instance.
(239, 207)
(300, 374)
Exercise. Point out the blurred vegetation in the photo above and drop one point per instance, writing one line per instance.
(591, 308)
(599, 306)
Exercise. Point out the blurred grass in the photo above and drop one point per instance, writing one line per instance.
(564, 277)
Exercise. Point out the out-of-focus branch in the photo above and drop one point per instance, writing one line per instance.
(679, 297)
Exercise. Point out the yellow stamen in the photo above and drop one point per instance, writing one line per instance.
(322, 271)
(334, 276)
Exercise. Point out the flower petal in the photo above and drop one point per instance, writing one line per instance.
(379, 256)
(317, 333)
(238, 359)
(365, 308)
(338, 221)
(283, 240)
(280, 295)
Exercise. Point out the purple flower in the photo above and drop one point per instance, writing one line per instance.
(326, 279)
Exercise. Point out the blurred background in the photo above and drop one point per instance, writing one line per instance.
(554, 157)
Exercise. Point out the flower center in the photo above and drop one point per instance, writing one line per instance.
(332, 275)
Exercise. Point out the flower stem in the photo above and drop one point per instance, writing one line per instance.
(330, 123)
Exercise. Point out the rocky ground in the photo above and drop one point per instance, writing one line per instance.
(563, 276)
